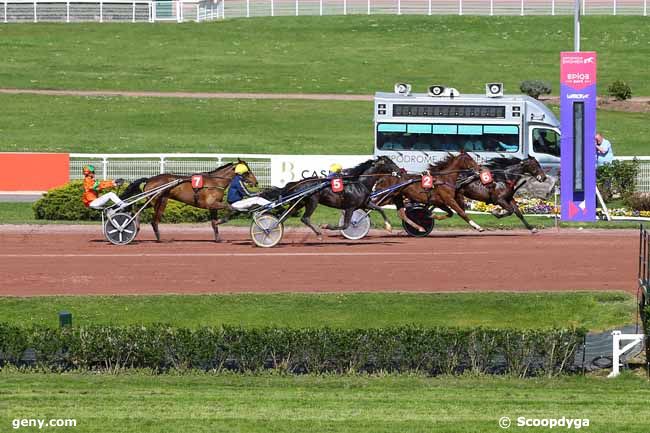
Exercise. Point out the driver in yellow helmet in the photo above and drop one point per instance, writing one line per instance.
(335, 171)
(239, 197)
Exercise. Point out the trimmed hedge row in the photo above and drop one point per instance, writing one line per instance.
(162, 347)
(64, 203)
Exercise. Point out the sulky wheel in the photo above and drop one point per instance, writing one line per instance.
(359, 225)
(421, 216)
(121, 228)
(266, 231)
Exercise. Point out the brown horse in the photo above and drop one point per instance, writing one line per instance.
(448, 175)
(209, 196)
(509, 175)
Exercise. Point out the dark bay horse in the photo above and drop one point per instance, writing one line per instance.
(210, 196)
(358, 183)
(448, 175)
(509, 175)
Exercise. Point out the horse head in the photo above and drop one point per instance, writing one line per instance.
(387, 165)
(464, 161)
(531, 166)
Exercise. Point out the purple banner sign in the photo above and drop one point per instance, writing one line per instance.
(578, 125)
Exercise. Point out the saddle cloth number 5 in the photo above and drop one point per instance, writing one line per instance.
(427, 181)
(337, 184)
(197, 181)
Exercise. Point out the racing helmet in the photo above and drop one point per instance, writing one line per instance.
(241, 169)
(336, 168)
(87, 169)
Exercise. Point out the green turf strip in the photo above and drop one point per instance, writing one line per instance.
(349, 404)
(338, 54)
(593, 310)
(166, 125)
(22, 213)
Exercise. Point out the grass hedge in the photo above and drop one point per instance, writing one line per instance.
(64, 204)
(161, 347)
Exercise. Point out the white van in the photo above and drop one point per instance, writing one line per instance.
(416, 129)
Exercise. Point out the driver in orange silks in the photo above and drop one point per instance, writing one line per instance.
(93, 186)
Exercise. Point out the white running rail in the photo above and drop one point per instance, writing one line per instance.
(135, 11)
(205, 10)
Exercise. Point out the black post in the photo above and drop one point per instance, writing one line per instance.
(65, 319)
(584, 353)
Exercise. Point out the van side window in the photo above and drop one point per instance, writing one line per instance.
(425, 137)
(546, 141)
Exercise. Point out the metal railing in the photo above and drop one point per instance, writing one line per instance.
(206, 10)
(643, 175)
(17, 11)
(255, 8)
(133, 166)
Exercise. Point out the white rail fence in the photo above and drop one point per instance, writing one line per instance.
(252, 8)
(135, 11)
(133, 166)
(13, 11)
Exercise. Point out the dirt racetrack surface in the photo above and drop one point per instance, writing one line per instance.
(76, 260)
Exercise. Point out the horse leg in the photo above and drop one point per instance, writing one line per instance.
(229, 210)
(310, 207)
(461, 213)
(387, 225)
(448, 213)
(402, 215)
(517, 211)
(347, 219)
(159, 208)
(214, 220)
(398, 200)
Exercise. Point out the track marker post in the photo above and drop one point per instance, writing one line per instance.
(617, 350)
(578, 125)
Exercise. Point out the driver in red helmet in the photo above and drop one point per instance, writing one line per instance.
(93, 186)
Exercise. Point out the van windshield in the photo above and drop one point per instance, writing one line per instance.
(546, 141)
(447, 137)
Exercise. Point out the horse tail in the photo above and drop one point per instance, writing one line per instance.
(133, 188)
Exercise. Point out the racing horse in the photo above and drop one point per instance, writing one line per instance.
(358, 183)
(208, 196)
(509, 174)
(448, 175)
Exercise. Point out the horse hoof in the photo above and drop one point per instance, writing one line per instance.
(388, 227)
(421, 229)
(533, 230)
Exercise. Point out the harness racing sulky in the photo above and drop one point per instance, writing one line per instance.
(202, 190)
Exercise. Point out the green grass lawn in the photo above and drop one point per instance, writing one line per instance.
(160, 125)
(141, 403)
(594, 311)
(338, 54)
(22, 213)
